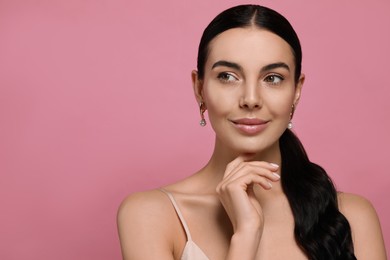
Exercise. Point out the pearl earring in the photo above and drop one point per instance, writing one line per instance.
(290, 124)
(202, 110)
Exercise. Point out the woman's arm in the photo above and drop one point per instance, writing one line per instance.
(366, 230)
(141, 232)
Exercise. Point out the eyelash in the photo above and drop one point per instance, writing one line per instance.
(223, 77)
(269, 80)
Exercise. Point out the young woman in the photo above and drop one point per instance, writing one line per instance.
(259, 197)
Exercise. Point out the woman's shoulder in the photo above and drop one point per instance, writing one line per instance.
(142, 197)
(144, 218)
(365, 226)
(357, 209)
(142, 205)
(353, 203)
(156, 201)
(151, 200)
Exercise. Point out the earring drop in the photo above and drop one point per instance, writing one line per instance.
(202, 122)
(201, 109)
(290, 125)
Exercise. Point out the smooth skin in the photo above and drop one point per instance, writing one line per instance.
(235, 206)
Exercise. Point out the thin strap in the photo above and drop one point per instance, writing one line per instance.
(178, 212)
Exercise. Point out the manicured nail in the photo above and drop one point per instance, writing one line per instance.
(274, 165)
(277, 175)
(270, 185)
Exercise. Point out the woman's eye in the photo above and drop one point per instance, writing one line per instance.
(226, 77)
(273, 79)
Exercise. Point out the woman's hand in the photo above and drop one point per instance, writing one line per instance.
(237, 196)
(244, 210)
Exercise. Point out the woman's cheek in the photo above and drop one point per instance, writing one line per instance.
(279, 104)
(218, 101)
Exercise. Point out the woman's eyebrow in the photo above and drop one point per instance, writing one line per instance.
(275, 66)
(229, 64)
(236, 66)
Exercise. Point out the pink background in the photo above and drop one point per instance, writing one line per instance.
(96, 103)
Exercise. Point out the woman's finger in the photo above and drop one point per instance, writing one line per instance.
(248, 168)
(236, 163)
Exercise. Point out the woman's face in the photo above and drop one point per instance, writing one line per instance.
(248, 88)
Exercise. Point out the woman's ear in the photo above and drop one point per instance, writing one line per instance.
(197, 84)
(298, 89)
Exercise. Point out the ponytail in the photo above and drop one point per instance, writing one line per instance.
(321, 230)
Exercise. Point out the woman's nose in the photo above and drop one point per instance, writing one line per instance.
(251, 97)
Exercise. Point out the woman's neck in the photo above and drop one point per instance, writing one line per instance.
(223, 155)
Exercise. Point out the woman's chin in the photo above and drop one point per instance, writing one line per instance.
(256, 149)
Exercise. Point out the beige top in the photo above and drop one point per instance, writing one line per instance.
(191, 250)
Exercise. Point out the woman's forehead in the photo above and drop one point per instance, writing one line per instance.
(250, 46)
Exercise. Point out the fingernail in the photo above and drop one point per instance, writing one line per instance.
(274, 165)
(277, 175)
(270, 185)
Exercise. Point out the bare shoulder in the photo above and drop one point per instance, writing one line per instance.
(358, 210)
(145, 219)
(144, 203)
(355, 205)
(366, 230)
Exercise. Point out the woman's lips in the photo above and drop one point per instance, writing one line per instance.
(249, 126)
